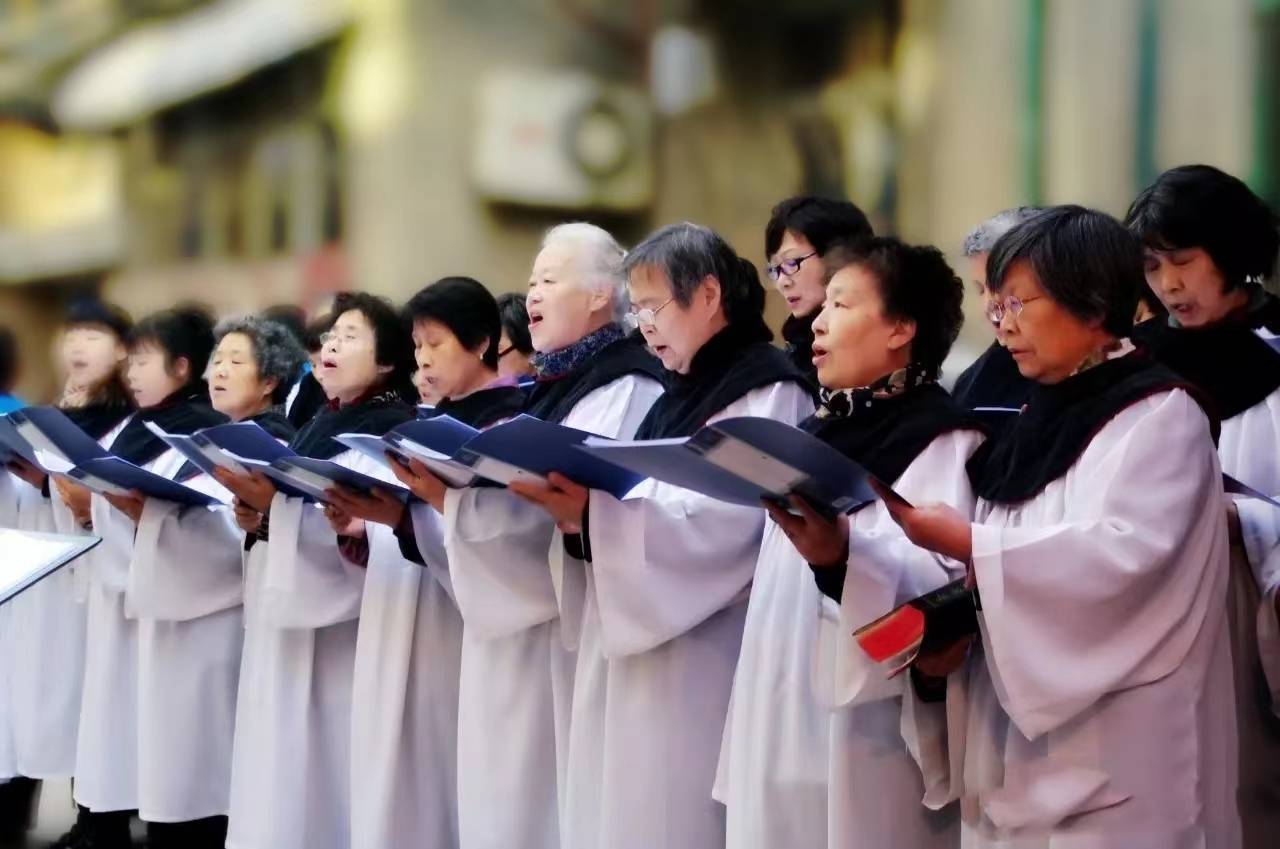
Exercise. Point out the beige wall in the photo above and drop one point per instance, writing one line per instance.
(405, 101)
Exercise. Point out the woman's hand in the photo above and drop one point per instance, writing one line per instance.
(74, 395)
(819, 540)
(255, 489)
(247, 519)
(935, 527)
(565, 500)
(131, 505)
(27, 472)
(420, 481)
(343, 524)
(77, 498)
(1235, 534)
(944, 661)
(379, 506)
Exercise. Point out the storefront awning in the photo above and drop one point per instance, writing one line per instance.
(163, 63)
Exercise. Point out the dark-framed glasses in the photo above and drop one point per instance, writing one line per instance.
(787, 266)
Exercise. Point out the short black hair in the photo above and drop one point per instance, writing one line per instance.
(1199, 206)
(313, 336)
(822, 221)
(687, 254)
(916, 284)
(393, 344)
(289, 316)
(91, 312)
(466, 307)
(183, 332)
(514, 315)
(8, 359)
(1085, 260)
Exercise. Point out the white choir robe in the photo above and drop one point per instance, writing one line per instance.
(186, 590)
(47, 661)
(404, 712)
(9, 495)
(1101, 708)
(106, 775)
(290, 766)
(661, 628)
(517, 674)
(814, 753)
(1247, 450)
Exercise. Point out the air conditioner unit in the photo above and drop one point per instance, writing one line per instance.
(563, 140)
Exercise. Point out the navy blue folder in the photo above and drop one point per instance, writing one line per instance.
(746, 460)
(537, 448)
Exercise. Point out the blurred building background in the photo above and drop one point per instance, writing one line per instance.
(248, 152)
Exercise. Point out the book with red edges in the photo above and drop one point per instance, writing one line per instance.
(927, 623)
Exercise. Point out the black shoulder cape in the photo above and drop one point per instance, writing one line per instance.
(993, 380)
(887, 436)
(1230, 364)
(1060, 421)
(97, 420)
(485, 407)
(374, 416)
(309, 400)
(552, 400)
(732, 363)
(797, 333)
(182, 413)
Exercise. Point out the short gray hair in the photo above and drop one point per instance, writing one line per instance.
(275, 348)
(984, 237)
(687, 254)
(599, 258)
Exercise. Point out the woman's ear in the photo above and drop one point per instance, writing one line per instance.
(270, 385)
(902, 334)
(182, 370)
(709, 290)
(601, 299)
(122, 353)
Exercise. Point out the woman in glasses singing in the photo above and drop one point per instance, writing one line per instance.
(1100, 710)
(667, 571)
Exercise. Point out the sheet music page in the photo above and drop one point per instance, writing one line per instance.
(25, 555)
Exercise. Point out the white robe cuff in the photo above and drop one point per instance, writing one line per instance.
(186, 563)
(307, 584)
(497, 551)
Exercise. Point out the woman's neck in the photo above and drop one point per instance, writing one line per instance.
(355, 396)
(483, 378)
(245, 416)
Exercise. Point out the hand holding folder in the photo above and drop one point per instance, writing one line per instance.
(747, 460)
(61, 448)
(431, 442)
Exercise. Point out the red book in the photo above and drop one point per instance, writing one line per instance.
(931, 621)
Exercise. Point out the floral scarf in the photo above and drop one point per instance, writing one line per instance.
(556, 364)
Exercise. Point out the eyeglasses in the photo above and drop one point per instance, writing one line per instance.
(788, 266)
(347, 338)
(998, 307)
(645, 317)
(505, 351)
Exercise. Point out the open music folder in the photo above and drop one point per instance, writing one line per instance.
(28, 557)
